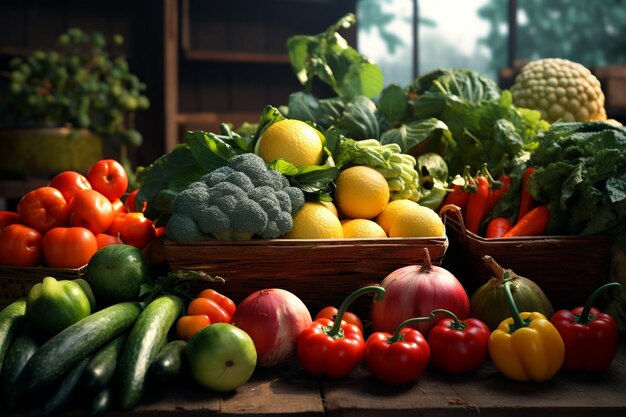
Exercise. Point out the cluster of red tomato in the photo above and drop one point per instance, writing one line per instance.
(64, 223)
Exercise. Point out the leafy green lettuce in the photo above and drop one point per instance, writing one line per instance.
(581, 174)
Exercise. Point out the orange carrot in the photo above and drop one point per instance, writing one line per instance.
(534, 223)
(497, 227)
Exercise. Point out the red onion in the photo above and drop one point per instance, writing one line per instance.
(274, 319)
(415, 291)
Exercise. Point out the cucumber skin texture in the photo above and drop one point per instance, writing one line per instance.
(22, 349)
(102, 402)
(147, 337)
(168, 364)
(66, 388)
(65, 350)
(12, 318)
(101, 368)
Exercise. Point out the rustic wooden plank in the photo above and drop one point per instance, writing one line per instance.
(484, 392)
(361, 395)
(275, 392)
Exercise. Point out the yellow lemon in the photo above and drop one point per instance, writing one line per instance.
(291, 140)
(331, 207)
(315, 221)
(421, 222)
(361, 192)
(362, 228)
(392, 210)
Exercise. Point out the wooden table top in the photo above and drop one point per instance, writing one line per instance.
(485, 392)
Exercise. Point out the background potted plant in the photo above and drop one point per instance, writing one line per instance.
(64, 104)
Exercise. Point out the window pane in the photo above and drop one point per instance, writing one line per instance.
(451, 34)
(592, 33)
(385, 36)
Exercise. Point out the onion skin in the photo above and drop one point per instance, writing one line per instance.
(488, 303)
(415, 291)
(274, 319)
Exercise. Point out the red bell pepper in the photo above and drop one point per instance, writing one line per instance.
(398, 359)
(458, 346)
(334, 348)
(590, 337)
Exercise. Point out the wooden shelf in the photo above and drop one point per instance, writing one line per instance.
(234, 57)
(10, 51)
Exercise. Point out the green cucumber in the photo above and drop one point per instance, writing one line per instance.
(21, 350)
(66, 349)
(12, 318)
(101, 368)
(102, 402)
(147, 337)
(168, 364)
(66, 389)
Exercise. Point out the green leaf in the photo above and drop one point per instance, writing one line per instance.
(359, 119)
(394, 103)
(284, 167)
(314, 178)
(209, 150)
(412, 134)
(363, 79)
(616, 190)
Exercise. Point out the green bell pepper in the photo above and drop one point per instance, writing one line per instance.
(53, 305)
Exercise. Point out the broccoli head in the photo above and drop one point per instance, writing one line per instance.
(239, 201)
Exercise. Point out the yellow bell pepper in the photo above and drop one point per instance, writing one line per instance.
(526, 346)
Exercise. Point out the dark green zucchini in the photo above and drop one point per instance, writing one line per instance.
(147, 337)
(12, 317)
(101, 368)
(169, 363)
(102, 402)
(21, 350)
(66, 349)
(66, 389)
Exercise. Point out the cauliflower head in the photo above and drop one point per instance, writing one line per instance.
(239, 201)
(560, 89)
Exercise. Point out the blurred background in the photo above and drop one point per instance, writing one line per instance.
(207, 62)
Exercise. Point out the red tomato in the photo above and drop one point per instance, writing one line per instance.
(330, 313)
(159, 231)
(133, 229)
(91, 210)
(69, 247)
(109, 178)
(187, 326)
(20, 245)
(9, 217)
(226, 303)
(210, 308)
(104, 239)
(130, 202)
(69, 182)
(43, 209)
(119, 207)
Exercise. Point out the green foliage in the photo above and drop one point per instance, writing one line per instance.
(328, 57)
(78, 85)
(580, 174)
(591, 33)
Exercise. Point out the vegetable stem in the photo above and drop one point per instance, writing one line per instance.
(380, 293)
(584, 316)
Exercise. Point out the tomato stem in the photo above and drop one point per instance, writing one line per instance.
(584, 316)
(456, 325)
(380, 293)
(398, 337)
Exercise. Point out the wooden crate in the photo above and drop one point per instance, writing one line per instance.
(567, 268)
(320, 272)
(15, 282)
